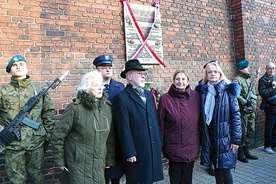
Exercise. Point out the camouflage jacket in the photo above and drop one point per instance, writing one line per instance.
(13, 97)
(244, 80)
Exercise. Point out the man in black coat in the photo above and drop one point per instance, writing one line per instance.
(138, 128)
(267, 90)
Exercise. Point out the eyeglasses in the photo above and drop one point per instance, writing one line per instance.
(104, 126)
(96, 85)
(212, 61)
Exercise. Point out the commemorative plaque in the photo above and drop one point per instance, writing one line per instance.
(143, 33)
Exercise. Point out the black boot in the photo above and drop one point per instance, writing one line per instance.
(241, 156)
(115, 181)
(248, 154)
(211, 169)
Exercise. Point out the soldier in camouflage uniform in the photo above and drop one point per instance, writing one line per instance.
(248, 110)
(25, 156)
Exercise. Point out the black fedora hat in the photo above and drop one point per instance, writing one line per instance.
(132, 64)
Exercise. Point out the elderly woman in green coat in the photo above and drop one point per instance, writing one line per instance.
(83, 142)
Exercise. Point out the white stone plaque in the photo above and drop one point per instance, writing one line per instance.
(150, 26)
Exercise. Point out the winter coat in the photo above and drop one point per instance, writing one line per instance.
(13, 97)
(138, 129)
(118, 170)
(226, 125)
(266, 91)
(83, 140)
(179, 112)
(114, 88)
(244, 80)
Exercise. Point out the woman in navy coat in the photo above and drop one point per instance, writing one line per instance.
(138, 128)
(221, 125)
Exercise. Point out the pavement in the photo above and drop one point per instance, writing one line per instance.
(261, 171)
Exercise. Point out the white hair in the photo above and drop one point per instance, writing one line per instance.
(87, 79)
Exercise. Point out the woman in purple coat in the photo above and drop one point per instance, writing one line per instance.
(179, 112)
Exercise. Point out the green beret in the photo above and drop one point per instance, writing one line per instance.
(242, 64)
(14, 59)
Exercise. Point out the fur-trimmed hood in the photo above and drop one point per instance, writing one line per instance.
(233, 88)
(89, 101)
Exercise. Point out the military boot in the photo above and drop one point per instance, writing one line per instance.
(241, 156)
(248, 154)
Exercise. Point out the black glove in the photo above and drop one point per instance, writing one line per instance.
(45, 145)
(248, 103)
(7, 136)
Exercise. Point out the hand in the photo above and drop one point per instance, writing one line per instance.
(63, 168)
(132, 159)
(274, 84)
(248, 103)
(7, 136)
(234, 147)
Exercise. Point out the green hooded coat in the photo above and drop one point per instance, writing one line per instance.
(83, 141)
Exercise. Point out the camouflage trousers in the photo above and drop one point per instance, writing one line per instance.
(248, 128)
(21, 164)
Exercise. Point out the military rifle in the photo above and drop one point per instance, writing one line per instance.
(250, 93)
(21, 117)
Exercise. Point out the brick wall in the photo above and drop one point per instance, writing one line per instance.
(59, 35)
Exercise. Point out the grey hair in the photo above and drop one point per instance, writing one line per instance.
(127, 74)
(269, 64)
(87, 79)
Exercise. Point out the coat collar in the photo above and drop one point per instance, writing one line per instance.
(179, 93)
(114, 84)
(23, 83)
(133, 94)
(268, 78)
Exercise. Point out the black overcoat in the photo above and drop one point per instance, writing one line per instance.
(139, 134)
(118, 170)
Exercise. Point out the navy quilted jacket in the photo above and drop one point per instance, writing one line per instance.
(227, 125)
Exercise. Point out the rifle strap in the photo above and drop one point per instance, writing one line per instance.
(250, 87)
(34, 88)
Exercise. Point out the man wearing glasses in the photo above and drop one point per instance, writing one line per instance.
(137, 124)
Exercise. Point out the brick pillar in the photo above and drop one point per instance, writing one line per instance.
(236, 7)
